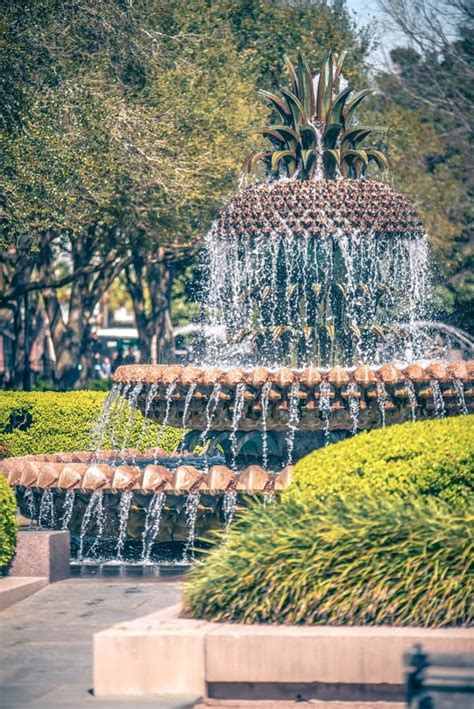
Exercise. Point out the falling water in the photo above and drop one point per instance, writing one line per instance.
(325, 409)
(116, 422)
(94, 509)
(169, 393)
(229, 505)
(30, 505)
(411, 398)
(152, 523)
(459, 388)
(439, 407)
(265, 399)
(124, 511)
(191, 511)
(267, 289)
(68, 506)
(236, 416)
(354, 406)
(382, 398)
(100, 430)
(211, 408)
(148, 403)
(293, 419)
(46, 509)
(132, 404)
(187, 402)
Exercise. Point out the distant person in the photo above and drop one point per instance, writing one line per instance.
(117, 359)
(135, 355)
(105, 371)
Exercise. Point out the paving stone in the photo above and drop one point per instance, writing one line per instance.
(46, 649)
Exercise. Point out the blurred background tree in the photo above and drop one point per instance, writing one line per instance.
(124, 127)
(428, 92)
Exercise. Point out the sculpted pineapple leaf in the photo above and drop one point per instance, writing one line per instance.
(317, 121)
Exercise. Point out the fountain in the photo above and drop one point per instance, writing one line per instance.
(318, 277)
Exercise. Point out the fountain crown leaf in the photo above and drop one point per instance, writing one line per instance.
(317, 136)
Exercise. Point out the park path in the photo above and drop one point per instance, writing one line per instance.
(46, 640)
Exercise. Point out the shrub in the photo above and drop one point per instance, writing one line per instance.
(8, 523)
(51, 422)
(433, 457)
(372, 560)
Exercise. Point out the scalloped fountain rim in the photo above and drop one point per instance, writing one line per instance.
(80, 471)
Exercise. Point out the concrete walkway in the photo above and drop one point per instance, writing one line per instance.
(46, 640)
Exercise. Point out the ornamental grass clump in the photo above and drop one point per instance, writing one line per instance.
(361, 561)
(434, 457)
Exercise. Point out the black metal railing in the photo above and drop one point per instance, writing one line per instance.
(439, 680)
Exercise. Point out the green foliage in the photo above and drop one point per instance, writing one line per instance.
(317, 122)
(433, 457)
(340, 561)
(53, 422)
(8, 523)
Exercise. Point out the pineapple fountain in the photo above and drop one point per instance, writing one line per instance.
(317, 277)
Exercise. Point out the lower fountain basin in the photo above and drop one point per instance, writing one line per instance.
(127, 507)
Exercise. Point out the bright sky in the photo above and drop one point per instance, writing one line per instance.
(367, 13)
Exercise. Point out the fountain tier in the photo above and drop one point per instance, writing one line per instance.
(325, 398)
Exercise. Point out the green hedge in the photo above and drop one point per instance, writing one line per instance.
(52, 422)
(372, 560)
(8, 523)
(433, 457)
(374, 529)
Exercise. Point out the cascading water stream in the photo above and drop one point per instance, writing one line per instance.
(439, 407)
(211, 408)
(187, 402)
(68, 507)
(100, 431)
(325, 409)
(169, 393)
(46, 515)
(382, 398)
(150, 398)
(191, 512)
(117, 421)
(94, 510)
(124, 512)
(459, 389)
(354, 406)
(31, 506)
(293, 419)
(411, 398)
(265, 400)
(132, 404)
(236, 416)
(152, 524)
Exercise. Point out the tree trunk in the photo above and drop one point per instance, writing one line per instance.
(149, 282)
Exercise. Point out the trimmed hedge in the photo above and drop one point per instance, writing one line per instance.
(374, 529)
(372, 560)
(8, 523)
(53, 422)
(433, 457)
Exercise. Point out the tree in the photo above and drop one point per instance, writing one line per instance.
(429, 86)
(105, 163)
